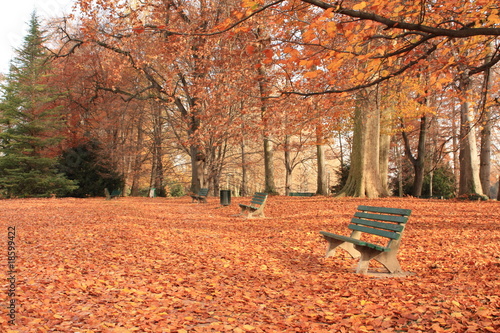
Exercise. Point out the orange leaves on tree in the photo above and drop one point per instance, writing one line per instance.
(359, 6)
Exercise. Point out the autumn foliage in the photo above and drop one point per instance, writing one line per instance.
(167, 265)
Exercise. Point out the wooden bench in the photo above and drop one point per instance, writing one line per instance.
(301, 194)
(256, 206)
(201, 196)
(376, 234)
(113, 194)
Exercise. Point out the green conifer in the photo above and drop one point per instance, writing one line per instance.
(30, 124)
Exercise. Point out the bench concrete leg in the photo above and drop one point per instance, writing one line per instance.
(367, 254)
(389, 261)
(333, 244)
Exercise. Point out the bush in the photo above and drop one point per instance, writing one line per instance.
(176, 190)
(86, 165)
(443, 183)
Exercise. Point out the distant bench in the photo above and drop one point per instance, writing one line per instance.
(113, 194)
(376, 234)
(301, 194)
(201, 196)
(256, 206)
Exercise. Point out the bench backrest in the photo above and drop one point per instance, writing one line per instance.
(258, 199)
(203, 192)
(380, 221)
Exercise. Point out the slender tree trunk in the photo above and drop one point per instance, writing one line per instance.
(322, 182)
(137, 163)
(243, 191)
(157, 152)
(269, 166)
(419, 161)
(322, 185)
(288, 166)
(385, 146)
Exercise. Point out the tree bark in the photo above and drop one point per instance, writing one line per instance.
(322, 185)
(157, 152)
(269, 185)
(364, 175)
(469, 161)
(485, 152)
(418, 162)
(243, 191)
(288, 166)
(137, 163)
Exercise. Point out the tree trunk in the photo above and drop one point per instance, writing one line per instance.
(485, 153)
(269, 166)
(270, 186)
(385, 146)
(418, 162)
(157, 152)
(243, 191)
(469, 161)
(137, 163)
(288, 166)
(322, 183)
(364, 175)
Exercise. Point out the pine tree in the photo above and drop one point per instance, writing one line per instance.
(29, 124)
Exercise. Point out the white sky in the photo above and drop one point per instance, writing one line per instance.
(14, 18)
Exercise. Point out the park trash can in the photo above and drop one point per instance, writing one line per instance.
(225, 197)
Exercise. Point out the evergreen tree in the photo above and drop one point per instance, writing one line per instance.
(29, 124)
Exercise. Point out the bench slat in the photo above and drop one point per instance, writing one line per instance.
(380, 217)
(257, 201)
(378, 232)
(385, 210)
(379, 225)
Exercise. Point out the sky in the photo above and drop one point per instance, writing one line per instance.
(14, 18)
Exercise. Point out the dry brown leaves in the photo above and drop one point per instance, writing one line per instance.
(167, 265)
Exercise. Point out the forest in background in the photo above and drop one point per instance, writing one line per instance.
(390, 97)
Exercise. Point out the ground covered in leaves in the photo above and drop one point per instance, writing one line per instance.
(168, 265)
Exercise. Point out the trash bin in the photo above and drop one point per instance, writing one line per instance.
(225, 197)
(152, 192)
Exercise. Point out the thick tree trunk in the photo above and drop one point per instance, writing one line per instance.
(197, 169)
(364, 174)
(269, 185)
(469, 161)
